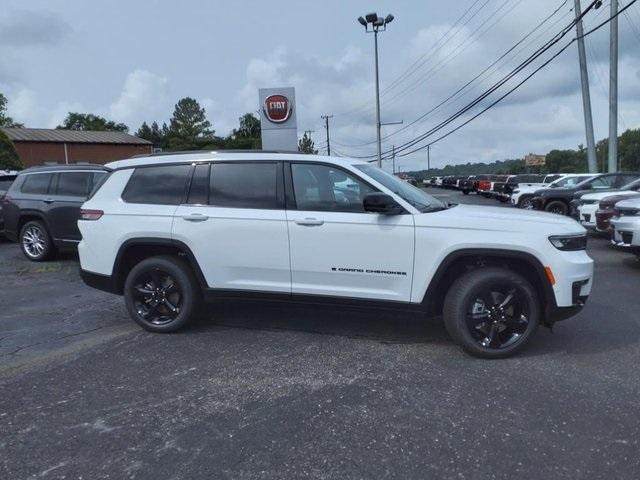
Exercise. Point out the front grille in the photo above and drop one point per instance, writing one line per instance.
(587, 217)
(627, 237)
(628, 212)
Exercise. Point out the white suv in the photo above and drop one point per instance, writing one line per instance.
(626, 225)
(170, 231)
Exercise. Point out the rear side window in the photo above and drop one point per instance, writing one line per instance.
(36, 183)
(244, 185)
(163, 185)
(74, 184)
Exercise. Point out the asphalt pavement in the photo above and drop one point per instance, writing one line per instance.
(271, 391)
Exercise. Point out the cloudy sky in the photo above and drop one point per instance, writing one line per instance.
(132, 60)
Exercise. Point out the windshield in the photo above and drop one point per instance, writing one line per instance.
(413, 195)
(569, 181)
(635, 185)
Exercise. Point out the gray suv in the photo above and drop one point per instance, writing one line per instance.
(42, 206)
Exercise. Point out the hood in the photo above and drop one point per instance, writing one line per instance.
(475, 217)
(606, 193)
(555, 191)
(613, 199)
(632, 203)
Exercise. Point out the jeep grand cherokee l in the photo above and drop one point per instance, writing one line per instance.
(168, 232)
(42, 207)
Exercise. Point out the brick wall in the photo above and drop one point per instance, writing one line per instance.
(37, 153)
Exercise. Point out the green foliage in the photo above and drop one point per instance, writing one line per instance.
(9, 159)
(152, 133)
(5, 120)
(189, 128)
(89, 121)
(247, 136)
(306, 145)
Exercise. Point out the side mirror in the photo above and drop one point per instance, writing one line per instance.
(381, 203)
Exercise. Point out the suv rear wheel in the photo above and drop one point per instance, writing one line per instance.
(35, 241)
(558, 207)
(161, 294)
(491, 312)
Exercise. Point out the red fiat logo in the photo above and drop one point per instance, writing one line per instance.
(277, 108)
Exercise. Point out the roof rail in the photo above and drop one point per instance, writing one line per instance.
(195, 152)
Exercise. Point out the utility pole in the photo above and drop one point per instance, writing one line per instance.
(428, 158)
(378, 124)
(393, 158)
(586, 96)
(613, 89)
(326, 125)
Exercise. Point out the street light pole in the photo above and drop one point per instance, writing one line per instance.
(613, 89)
(376, 23)
(378, 125)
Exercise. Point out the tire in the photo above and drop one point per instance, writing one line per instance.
(161, 294)
(487, 332)
(558, 207)
(466, 192)
(525, 203)
(35, 241)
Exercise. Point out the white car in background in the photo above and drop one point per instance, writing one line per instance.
(626, 225)
(521, 196)
(588, 203)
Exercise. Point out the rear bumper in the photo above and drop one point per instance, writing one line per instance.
(106, 283)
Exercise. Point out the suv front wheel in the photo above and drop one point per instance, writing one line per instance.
(491, 312)
(35, 241)
(161, 294)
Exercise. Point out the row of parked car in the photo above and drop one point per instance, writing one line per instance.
(607, 203)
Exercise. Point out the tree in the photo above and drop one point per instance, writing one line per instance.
(9, 159)
(89, 121)
(189, 128)
(247, 136)
(5, 120)
(152, 133)
(306, 145)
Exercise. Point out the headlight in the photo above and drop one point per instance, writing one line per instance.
(569, 243)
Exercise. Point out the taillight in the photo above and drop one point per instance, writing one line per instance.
(90, 214)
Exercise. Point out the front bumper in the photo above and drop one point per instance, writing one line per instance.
(626, 233)
(603, 220)
(587, 215)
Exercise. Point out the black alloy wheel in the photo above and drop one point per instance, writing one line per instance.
(161, 294)
(492, 312)
(157, 297)
(497, 318)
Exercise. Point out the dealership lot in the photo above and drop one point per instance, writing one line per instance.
(275, 391)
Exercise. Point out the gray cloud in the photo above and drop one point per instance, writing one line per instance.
(32, 28)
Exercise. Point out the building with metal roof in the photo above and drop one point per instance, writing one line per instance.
(38, 146)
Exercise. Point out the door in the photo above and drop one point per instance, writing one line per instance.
(69, 192)
(235, 224)
(339, 249)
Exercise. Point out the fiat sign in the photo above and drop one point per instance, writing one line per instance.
(277, 108)
(278, 119)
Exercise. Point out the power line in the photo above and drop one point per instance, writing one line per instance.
(528, 77)
(481, 74)
(540, 51)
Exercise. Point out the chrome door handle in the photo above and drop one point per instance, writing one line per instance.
(195, 217)
(309, 222)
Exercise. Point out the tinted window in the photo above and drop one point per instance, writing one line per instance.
(37, 183)
(74, 184)
(5, 183)
(244, 185)
(164, 185)
(604, 182)
(329, 189)
(199, 191)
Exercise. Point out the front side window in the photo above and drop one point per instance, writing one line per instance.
(161, 185)
(419, 199)
(37, 183)
(327, 189)
(74, 184)
(244, 185)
